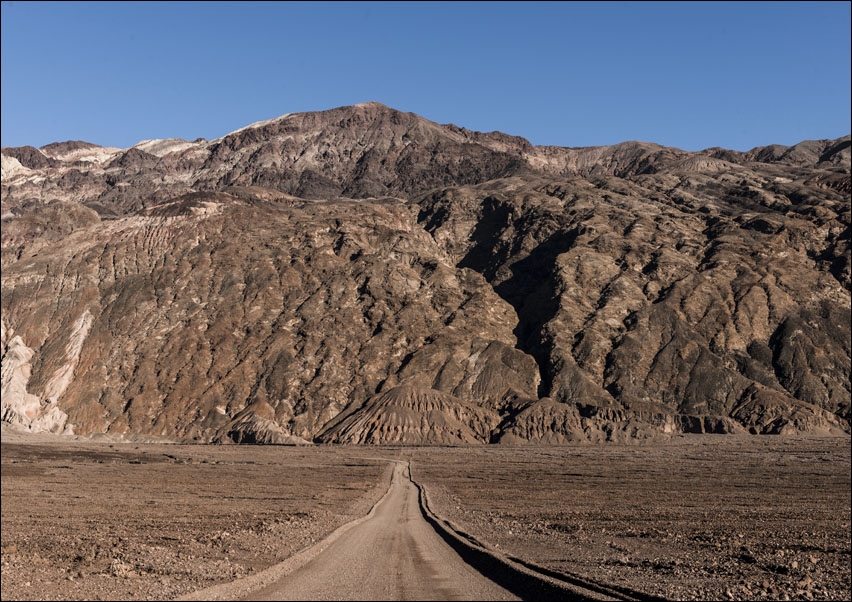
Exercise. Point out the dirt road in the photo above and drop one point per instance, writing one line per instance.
(746, 518)
(394, 555)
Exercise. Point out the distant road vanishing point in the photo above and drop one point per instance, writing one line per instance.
(393, 555)
(402, 551)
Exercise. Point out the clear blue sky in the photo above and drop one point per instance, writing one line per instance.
(690, 75)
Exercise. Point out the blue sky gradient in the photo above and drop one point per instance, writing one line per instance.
(690, 75)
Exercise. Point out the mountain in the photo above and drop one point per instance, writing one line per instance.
(365, 275)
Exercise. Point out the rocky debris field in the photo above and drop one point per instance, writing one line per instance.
(710, 517)
(125, 521)
(700, 518)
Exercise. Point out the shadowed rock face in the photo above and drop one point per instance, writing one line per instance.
(365, 275)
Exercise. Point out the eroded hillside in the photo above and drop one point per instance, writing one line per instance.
(364, 275)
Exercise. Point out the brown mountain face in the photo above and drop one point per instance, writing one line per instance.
(363, 275)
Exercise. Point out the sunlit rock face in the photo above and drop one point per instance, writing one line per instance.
(20, 409)
(363, 275)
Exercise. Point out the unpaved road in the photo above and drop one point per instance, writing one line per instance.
(393, 555)
(703, 517)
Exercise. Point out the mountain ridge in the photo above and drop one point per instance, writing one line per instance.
(305, 265)
(765, 151)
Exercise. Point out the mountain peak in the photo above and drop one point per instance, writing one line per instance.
(363, 274)
(372, 104)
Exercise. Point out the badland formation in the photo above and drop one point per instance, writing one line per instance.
(364, 275)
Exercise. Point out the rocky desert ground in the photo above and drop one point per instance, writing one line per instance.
(107, 521)
(627, 365)
(697, 517)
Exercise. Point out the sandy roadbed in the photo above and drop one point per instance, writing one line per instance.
(703, 517)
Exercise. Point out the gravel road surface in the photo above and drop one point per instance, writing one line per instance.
(394, 555)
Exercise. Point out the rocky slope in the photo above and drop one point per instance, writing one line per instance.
(365, 275)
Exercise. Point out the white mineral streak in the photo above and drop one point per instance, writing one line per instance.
(205, 209)
(18, 405)
(63, 375)
(19, 408)
(257, 124)
(94, 154)
(164, 146)
(10, 168)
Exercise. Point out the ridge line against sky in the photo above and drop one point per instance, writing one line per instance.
(691, 75)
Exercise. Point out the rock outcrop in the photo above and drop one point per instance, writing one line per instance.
(409, 415)
(20, 409)
(365, 275)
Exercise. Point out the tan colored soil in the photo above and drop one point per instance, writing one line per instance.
(125, 521)
(705, 517)
(702, 517)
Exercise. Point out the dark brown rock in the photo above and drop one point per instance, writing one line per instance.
(30, 157)
(284, 280)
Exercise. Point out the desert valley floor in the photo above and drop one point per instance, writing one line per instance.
(697, 517)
